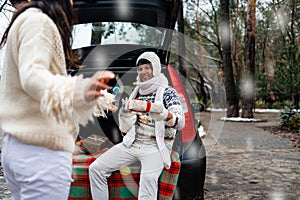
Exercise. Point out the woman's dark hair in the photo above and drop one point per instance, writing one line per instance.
(15, 2)
(62, 14)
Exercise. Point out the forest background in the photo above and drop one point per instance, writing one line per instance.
(254, 48)
(236, 54)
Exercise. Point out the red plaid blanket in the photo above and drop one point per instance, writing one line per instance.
(123, 184)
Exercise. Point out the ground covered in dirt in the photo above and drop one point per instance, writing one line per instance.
(294, 135)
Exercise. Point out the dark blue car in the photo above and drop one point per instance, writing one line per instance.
(111, 34)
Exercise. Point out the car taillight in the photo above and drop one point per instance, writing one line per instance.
(188, 132)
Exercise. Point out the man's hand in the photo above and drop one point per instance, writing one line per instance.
(160, 116)
(127, 118)
(124, 112)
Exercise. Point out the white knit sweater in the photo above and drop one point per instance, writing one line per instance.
(39, 103)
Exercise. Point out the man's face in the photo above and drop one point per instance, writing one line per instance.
(145, 72)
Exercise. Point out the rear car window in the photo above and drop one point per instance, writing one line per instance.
(92, 34)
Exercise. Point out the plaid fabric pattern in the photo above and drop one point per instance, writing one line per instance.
(80, 187)
(169, 178)
(123, 184)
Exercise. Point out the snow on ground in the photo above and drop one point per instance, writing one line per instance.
(240, 119)
(201, 131)
(255, 110)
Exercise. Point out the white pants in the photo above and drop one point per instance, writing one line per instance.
(36, 173)
(119, 156)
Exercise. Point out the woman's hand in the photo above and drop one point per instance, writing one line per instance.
(96, 83)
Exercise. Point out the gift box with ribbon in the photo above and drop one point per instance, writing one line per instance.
(144, 106)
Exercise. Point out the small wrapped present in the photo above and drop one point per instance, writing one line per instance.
(94, 143)
(144, 106)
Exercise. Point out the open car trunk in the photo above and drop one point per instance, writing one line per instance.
(110, 35)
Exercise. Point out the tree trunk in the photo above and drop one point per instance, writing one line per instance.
(181, 41)
(248, 89)
(201, 86)
(295, 63)
(296, 100)
(231, 95)
(235, 43)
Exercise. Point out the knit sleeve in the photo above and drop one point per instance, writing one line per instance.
(37, 42)
(43, 72)
(173, 104)
(64, 100)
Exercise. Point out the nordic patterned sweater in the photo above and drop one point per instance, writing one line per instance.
(40, 104)
(145, 124)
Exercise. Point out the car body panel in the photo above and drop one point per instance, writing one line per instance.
(156, 13)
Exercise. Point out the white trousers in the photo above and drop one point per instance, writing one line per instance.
(35, 173)
(120, 156)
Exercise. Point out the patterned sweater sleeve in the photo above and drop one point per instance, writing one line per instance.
(173, 104)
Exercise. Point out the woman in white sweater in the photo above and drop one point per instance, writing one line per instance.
(41, 106)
